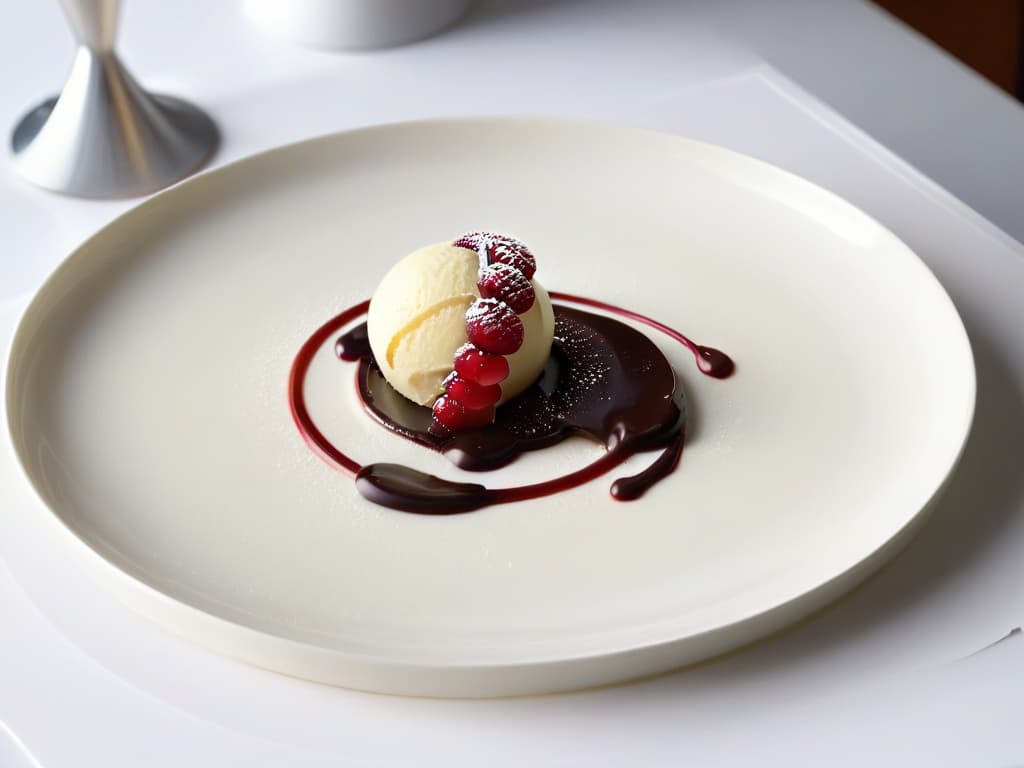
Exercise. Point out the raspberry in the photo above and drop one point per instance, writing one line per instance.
(508, 284)
(456, 417)
(492, 326)
(473, 240)
(472, 395)
(500, 249)
(513, 253)
(494, 330)
(473, 364)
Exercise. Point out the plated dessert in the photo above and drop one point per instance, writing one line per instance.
(463, 352)
(145, 400)
(156, 431)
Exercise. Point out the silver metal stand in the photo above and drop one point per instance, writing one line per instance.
(104, 136)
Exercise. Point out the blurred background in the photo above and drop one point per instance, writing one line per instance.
(987, 35)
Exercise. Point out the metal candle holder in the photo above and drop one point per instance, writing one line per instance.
(104, 136)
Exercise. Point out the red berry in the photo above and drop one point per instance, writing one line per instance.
(472, 395)
(473, 240)
(484, 368)
(493, 327)
(501, 281)
(457, 418)
(500, 249)
(448, 411)
(513, 253)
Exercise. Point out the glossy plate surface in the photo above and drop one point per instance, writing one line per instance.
(146, 398)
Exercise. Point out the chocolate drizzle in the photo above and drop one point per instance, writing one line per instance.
(605, 380)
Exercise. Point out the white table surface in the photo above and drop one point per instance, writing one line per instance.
(873, 680)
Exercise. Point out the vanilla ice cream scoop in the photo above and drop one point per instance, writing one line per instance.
(417, 321)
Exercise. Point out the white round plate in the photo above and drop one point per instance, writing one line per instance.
(147, 403)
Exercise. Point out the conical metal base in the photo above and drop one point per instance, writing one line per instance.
(105, 137)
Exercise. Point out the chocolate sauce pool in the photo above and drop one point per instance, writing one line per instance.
(605, 381)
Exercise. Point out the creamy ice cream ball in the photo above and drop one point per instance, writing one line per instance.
(417, 322)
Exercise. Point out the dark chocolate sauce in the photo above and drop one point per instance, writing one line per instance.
(604, 380)
(296, 399)
(712, 362)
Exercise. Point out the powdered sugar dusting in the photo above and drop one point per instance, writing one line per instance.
(505, 282)
(586, 380)
(494, 248)
(494, 327)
